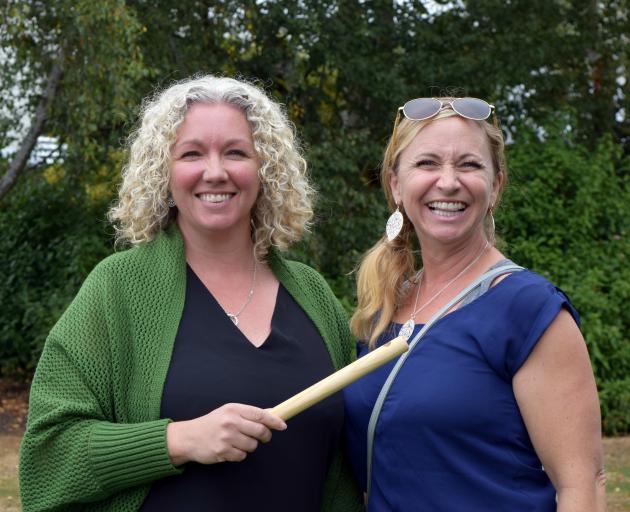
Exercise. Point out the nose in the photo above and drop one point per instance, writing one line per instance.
(449, 179)
(214, 169)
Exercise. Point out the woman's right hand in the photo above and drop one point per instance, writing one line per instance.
(228, 433)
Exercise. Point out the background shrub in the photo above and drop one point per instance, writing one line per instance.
(557, 72)
(565, 215)
(51, 237)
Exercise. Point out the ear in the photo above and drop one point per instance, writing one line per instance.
(394, 186)
(497, 182)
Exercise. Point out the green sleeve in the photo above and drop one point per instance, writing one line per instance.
(74, 450)
(347, 341)
(328, 314)
(341, 492)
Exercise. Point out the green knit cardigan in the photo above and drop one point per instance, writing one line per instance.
(94, 438)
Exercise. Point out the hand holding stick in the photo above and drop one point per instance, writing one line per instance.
(340, 379)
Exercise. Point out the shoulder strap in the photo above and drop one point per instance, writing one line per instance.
(378, 405)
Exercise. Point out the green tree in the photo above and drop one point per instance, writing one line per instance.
(88, 52)
(555, 69)
(565, 215)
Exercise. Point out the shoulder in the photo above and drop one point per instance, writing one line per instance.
(305, 283)
(523, 307)
(529, 291)
(133, 273)
(311, 291)
(166, 245)
(529, 278)
(298, 272)
(306, 273)
(141, 262)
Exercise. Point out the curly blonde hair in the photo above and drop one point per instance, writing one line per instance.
(283, 209)
(387, 265)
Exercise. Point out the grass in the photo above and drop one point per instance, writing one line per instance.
(617, 456)
(9, 497)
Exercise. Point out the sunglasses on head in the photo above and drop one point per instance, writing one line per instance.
(425, 108)
(421, 109)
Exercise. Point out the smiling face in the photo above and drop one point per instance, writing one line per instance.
(214, 171)
(446, 182)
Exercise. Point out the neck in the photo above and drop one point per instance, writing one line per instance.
(441, 264)
(218, 253)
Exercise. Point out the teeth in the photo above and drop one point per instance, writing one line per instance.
(445, 213)
(214, 198)
(448, 207)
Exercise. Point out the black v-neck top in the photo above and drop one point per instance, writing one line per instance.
(214, 364)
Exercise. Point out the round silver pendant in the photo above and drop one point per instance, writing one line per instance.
(233, 318)
(407, 329)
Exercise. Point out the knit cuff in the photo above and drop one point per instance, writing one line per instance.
(126, 455)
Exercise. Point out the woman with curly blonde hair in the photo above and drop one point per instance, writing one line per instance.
(173, 351)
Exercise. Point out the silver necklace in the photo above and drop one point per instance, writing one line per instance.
(234, 316)
(407, 329)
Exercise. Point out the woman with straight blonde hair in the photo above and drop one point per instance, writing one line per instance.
(153, 389)
(494, 406)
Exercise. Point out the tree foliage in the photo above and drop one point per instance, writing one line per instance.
(51, 238)
(556, 70)
(101, 64)
(566, 216)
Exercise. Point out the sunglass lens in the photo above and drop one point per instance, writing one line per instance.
(472, 108)
(421, 108)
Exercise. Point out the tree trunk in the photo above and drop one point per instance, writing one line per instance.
(19, 161)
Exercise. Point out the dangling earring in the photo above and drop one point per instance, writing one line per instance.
(492, 224)
(170, 201)
(394, 224)
(253, 231)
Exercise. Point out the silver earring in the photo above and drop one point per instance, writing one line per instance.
(170, 202)
(394, 224)
(253, 231)
(492, 224)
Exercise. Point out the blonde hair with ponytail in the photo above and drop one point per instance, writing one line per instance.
(387, 266)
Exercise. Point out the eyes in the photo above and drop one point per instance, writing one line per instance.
(195, 154)
(189, 155)
(429, 163)
(238, 153)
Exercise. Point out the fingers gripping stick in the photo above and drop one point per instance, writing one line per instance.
(340, 379)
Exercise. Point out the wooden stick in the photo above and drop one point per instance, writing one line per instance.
(340, 379)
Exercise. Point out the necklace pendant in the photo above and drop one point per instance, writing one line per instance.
(407, 329)
(233, 318)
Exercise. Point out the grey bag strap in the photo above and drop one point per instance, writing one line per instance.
(378, 405)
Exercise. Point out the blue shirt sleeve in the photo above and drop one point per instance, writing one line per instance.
(520, 316)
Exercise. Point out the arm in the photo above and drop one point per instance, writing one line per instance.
(75, 448)
(73, 451)
(557, 396)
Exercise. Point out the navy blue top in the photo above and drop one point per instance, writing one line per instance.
(450, 435)
(214, 364)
